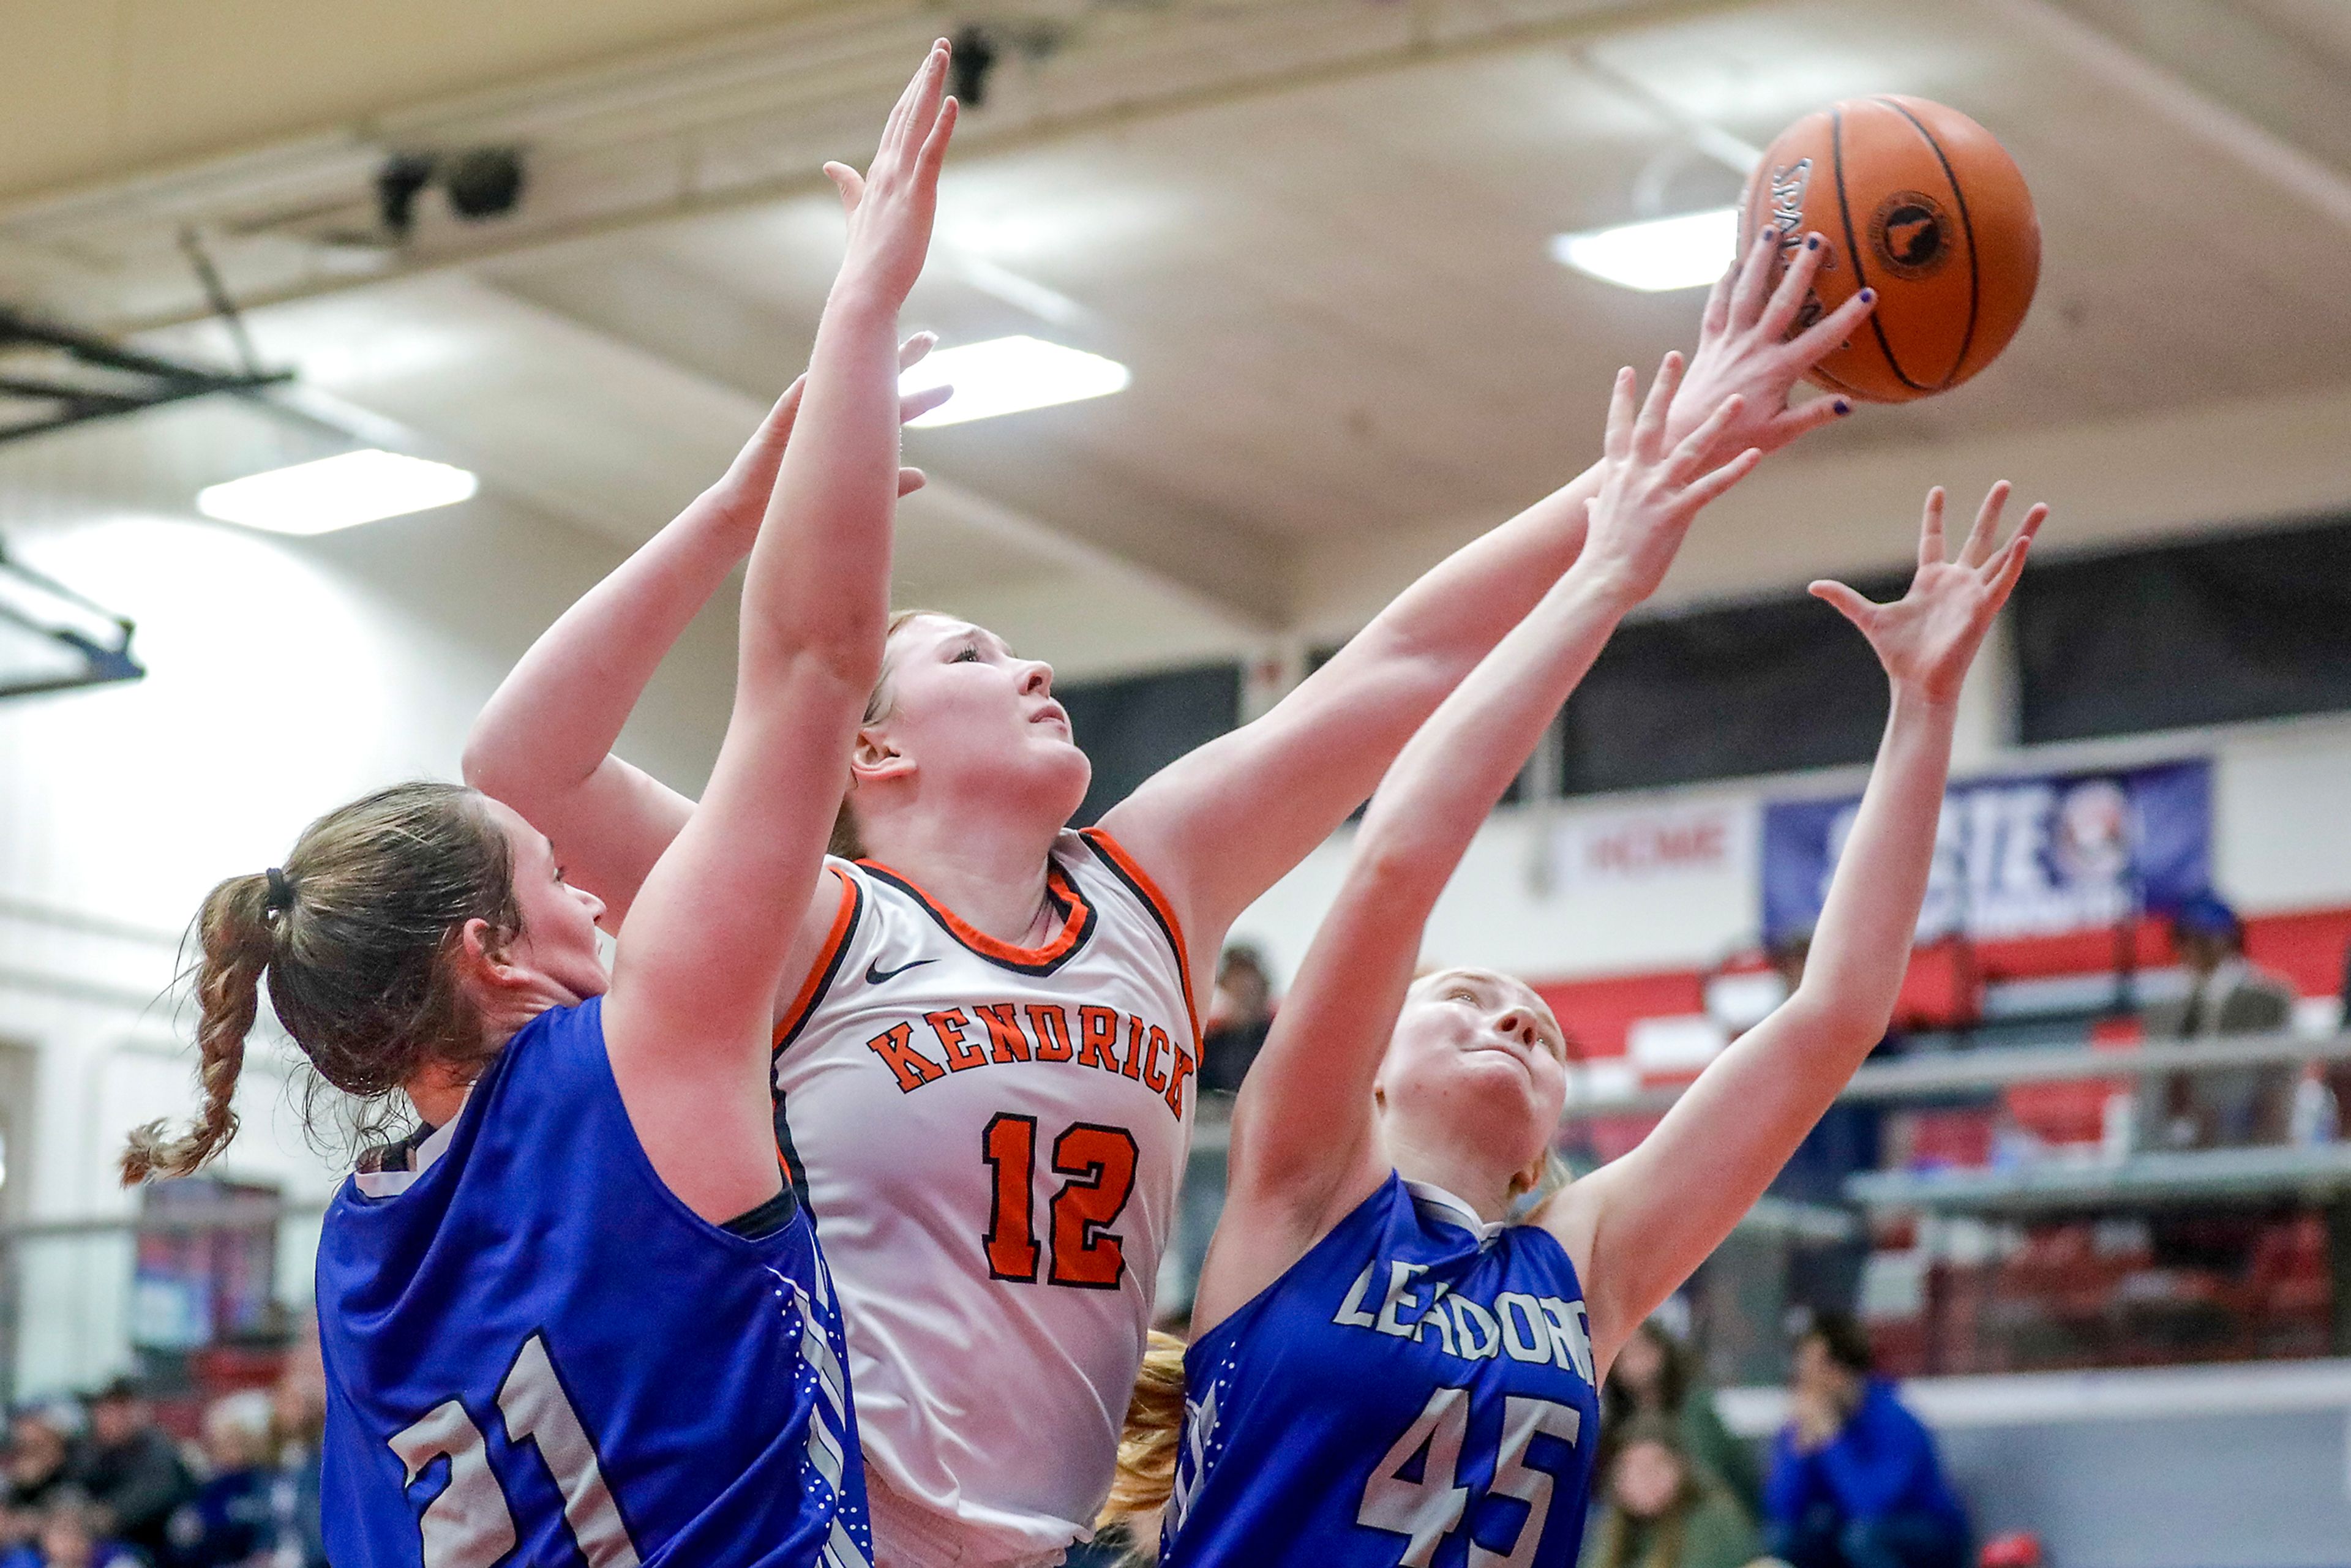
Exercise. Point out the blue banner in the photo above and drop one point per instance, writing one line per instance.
(2017, 857)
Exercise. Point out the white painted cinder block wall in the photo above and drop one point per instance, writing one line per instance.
(286, 676)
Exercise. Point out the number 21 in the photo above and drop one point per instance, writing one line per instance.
(468, 1525)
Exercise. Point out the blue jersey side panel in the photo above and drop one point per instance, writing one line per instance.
(537, 1355)
(1415, 1391)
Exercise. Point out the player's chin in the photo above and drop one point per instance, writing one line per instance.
(1503, 1086)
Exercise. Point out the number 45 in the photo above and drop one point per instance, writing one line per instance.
(1427, 1509)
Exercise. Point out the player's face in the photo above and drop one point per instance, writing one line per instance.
(558, 921)
(1477, 1056)
(1647, 1479)
(970, 715)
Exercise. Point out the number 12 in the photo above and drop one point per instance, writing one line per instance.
(1098, 1162)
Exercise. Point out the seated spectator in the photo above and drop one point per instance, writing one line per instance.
(37, 1466)
(299, 1410)
(229, 1520)
(1239, 1015)
(69, 1537)
(1656, 1376)
(1854, 1481)
(2338, 1072)
(2226, 995)
(132, 1470)
(1661, 1511)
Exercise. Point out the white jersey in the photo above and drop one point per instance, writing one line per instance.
(990, 1139)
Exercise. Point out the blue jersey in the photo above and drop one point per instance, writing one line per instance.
(537, 1355)
(1415, 1392)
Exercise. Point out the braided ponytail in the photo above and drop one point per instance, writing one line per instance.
(235, 931)
(356, 934)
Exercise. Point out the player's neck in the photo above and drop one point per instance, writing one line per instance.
(438, 1092)
(989, 869)
(1468, 1173)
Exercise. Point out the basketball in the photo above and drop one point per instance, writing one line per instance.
(1919, 202)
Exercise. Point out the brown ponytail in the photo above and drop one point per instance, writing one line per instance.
(354, 937)
(1147, 1449)
(234, 931)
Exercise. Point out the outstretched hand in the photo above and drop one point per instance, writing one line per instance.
(1744, 348)
(742, 494)
(1929, 637)
(891, 205)
(1651, 491)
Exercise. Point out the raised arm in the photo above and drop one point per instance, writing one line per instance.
(706, 946)
(1304, 1149)
(1639, 1227)
(1221, 825)
(544, 742)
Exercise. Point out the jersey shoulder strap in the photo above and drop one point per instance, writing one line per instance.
(848, 912)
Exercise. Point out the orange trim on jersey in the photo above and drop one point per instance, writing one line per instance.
(828, 959)
(1077, 919)
(1138, 879)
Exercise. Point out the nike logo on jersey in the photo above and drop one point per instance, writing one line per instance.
(875, 974)
(1527, 1328)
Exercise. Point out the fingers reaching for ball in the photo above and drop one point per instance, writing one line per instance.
(1929, 637)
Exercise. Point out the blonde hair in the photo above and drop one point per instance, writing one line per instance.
(1147, 1449)
(1526, 1196)
(846, 843)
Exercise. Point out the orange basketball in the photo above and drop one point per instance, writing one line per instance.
(1917, 201)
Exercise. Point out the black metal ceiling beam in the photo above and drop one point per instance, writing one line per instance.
(170, 381)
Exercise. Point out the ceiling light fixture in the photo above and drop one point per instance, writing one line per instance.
(1008, 375)
(336, 493)
(1689, 251)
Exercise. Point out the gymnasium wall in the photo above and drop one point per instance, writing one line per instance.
(287, 675)
(1632, 897)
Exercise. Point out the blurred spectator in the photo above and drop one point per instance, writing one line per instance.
(132, 1470)
(1854, 1480)
(300, 1405)
(2338, 1073)
(2226, 995)
(1662, 1511)
(70, 1536)
(228, 1522)
(1656, 1377)
(38, 1466)
(1239, 1014)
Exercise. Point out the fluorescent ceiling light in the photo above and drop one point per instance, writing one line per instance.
(1006, 375)
(336, 493)
(1685, 252)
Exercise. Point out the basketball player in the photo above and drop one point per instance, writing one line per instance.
(1386, 1370)
(985, 1051)
(587, 1247)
